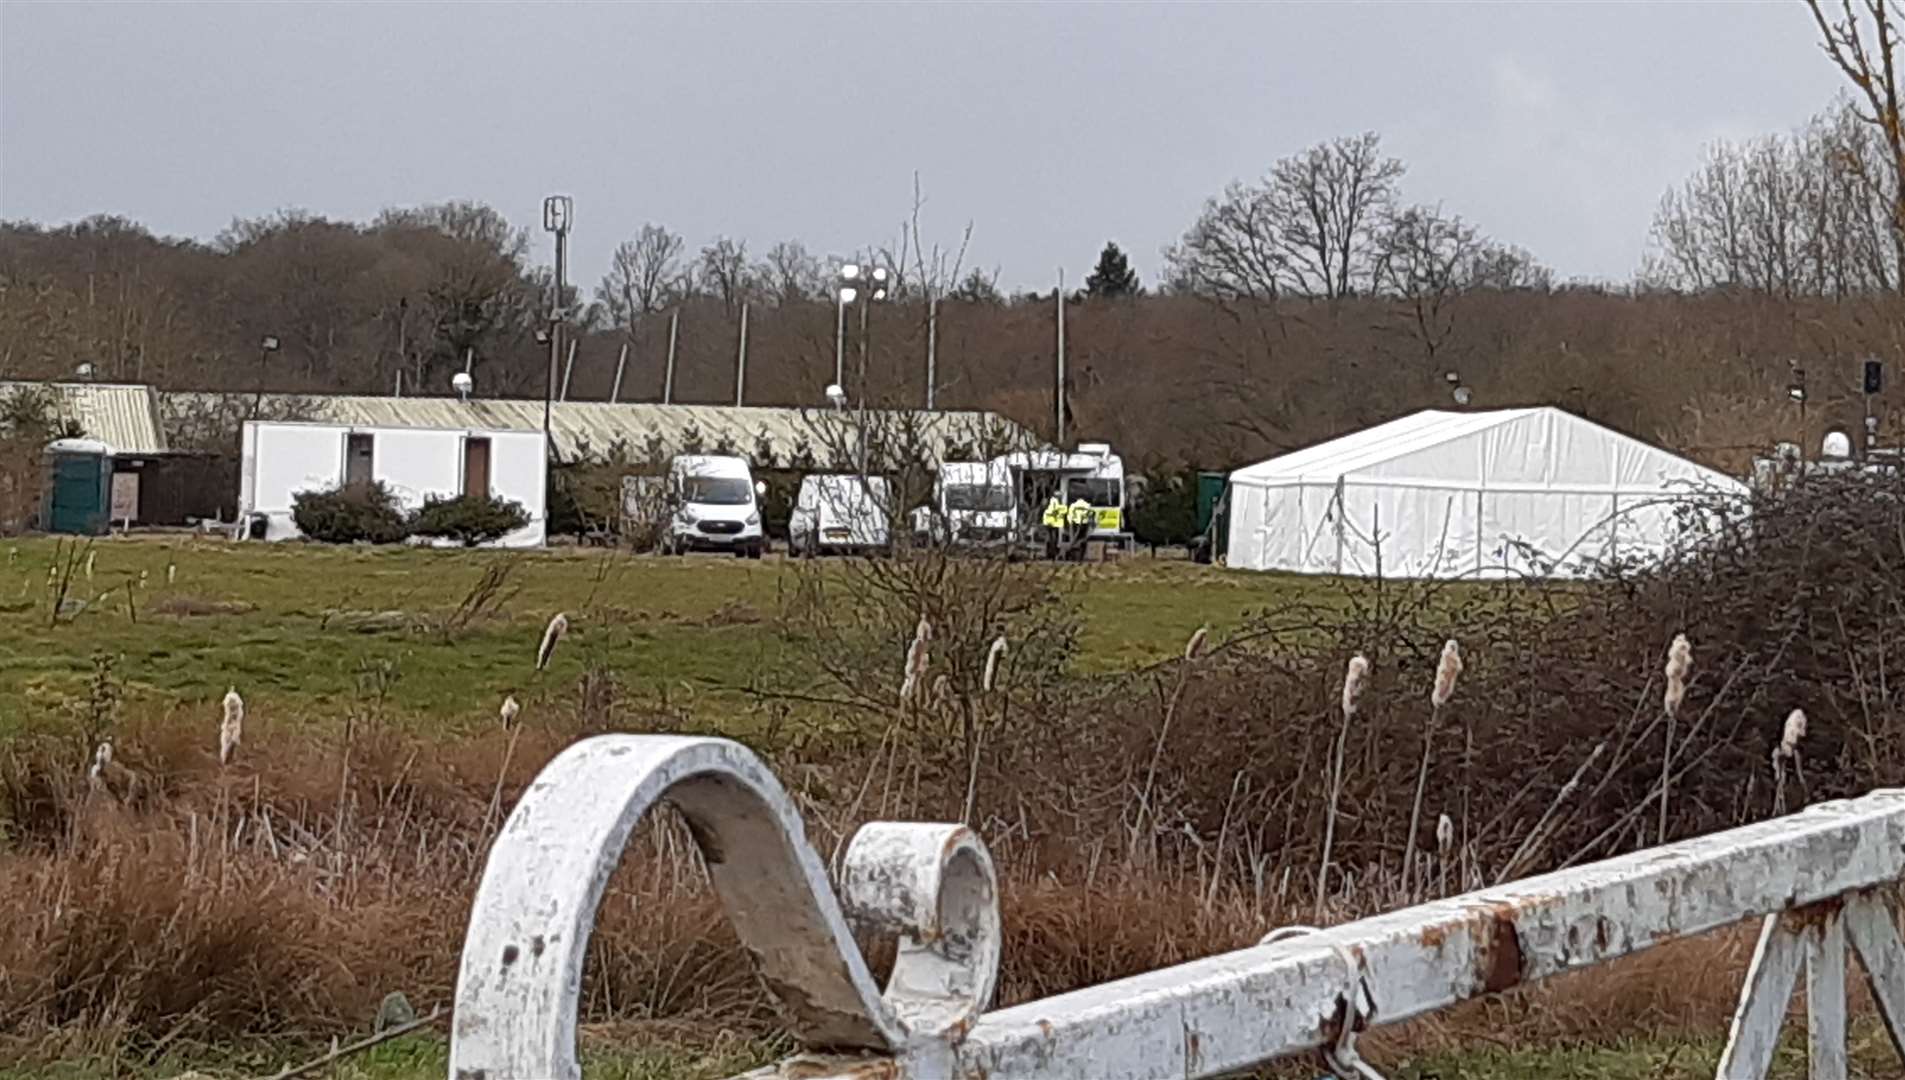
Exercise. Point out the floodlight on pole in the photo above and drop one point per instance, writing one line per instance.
(462, 383)
(836, 395)
(854, 284)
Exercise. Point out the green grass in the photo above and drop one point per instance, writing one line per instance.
(426, 1057)
(695, 630)
(1871, 1055)
(413, 1057)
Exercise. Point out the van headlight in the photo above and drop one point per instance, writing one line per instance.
(754, 518)
(687, 514)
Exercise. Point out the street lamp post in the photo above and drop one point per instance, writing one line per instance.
(558, 211)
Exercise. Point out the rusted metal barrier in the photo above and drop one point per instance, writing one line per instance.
(1814, 878)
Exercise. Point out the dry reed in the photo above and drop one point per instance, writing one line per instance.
(231, 728)
(552, 636)
(1355, 678)
(1448, 670)
(1194, 648)
(1679, 665)
(993, 655)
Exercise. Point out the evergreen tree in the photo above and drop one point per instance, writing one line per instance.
(1113, 277)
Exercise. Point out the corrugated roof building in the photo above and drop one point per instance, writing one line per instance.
(124, 417)
(770, 437)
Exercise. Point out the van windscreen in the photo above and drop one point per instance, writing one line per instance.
(978, 497)
(1096, 492)
(715, 490)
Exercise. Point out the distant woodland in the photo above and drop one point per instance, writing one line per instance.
(1315, 298)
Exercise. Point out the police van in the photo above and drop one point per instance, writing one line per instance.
(1089, 482)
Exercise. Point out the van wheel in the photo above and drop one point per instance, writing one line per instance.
(755, 551)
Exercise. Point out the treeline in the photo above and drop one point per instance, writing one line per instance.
(1317, 298)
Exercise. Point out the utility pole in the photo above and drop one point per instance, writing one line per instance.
(840, 335)
(621, 361)
(740, 360)
(668, 379)
(1059, 397)
(568, 368)
(558, 212)
(864, 308)
(932, 343)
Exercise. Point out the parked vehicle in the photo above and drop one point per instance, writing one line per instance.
(840, 514)
(716, 506)
(1092, 474)
(972, 503)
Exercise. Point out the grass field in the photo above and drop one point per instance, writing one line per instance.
(298, 629)
(294, 627)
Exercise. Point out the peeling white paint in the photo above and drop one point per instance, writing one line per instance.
(933, 886)
(521, 972)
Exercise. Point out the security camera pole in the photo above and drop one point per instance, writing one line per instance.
(1796, 390)
(557, 213)
(267, 346)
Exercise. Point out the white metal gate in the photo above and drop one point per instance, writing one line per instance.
(1816, 878)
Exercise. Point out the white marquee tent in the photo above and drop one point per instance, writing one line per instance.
(1463, 494)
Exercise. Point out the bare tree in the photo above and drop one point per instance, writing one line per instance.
(790, 274)
(1423, 259)
(1806, 214)
(926, 272)
(1328, 201)
(472, 223)
(644, 275)
(979, 287)
(1308, 228)
(724, 271)
(1232, 251)
(1867, 59)
(1507, 268)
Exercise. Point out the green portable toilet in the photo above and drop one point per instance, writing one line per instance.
(1210, 510)
(78, 486)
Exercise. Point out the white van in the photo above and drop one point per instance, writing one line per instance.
(717, 506)
(972, 503)
(840, 513)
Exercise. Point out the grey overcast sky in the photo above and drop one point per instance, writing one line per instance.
(1051, 127)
